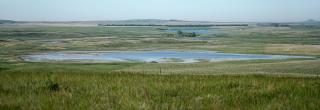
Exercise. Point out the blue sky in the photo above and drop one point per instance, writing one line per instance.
(208, 10)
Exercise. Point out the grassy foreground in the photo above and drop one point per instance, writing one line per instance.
(140, 91)
(139, 86)
(254, 84)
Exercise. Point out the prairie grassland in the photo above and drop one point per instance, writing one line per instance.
(254, 84)
(294, 49)
(120, 90)
(17, 41)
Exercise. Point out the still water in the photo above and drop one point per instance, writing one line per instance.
(148, 56)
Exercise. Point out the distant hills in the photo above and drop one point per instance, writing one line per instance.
(153, 22)
(7, 22)
(159, 22)
(310, 22)
(133, 22)
(115, 22)
(172, 23)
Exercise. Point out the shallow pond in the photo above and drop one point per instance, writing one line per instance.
(148, 56)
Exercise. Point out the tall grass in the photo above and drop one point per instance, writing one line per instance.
(119, 86)
(123, 90)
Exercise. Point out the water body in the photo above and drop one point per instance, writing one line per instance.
(196, 30)
(148, 56)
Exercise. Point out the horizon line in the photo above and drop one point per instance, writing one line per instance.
(179, 20)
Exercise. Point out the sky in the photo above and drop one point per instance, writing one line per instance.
(199, 10)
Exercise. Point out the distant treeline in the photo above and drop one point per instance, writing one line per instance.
(200, 25)
(273, 24)
(7, 22)
(291, 25)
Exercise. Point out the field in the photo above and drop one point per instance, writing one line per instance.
(252, 84)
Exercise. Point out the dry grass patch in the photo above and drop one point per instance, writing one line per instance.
(293, 49)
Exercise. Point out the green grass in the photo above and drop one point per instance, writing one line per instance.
(257, 40)
(254, 84)
(87, 90)
(260, 84)
(232, 67)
